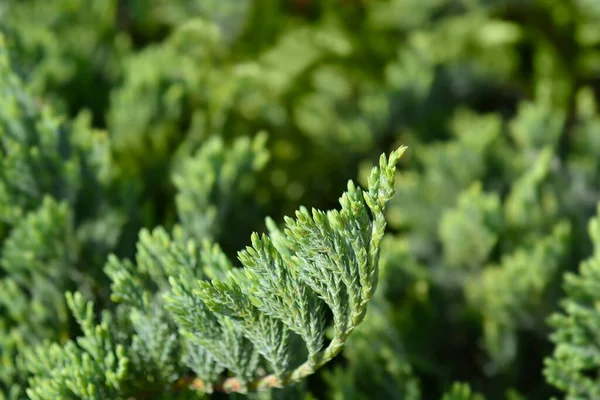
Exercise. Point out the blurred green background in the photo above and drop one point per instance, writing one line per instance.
(213, 114)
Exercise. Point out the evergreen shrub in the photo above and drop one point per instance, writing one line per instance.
(164, 166)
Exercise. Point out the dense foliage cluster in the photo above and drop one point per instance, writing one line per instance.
(143, 142)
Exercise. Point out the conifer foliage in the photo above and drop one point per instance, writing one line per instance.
(158, 160)
(576, 359)
(238, 319)
(190, 309)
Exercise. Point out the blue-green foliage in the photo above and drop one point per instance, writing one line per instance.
(55, 209)
(93, 367)
(173, 318)
(575, 360)
(164, 132)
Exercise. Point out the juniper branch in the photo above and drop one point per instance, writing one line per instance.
(335, 254)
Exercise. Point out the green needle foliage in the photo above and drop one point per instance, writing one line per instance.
(190, 309)
(144, 142)
(574, 365)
